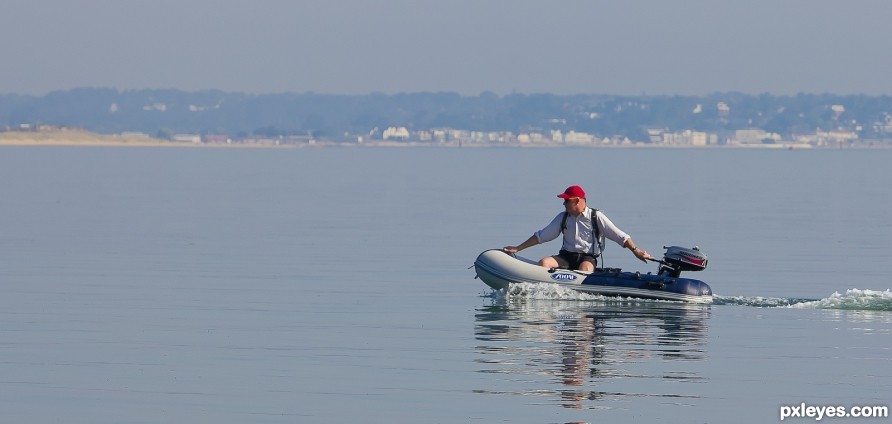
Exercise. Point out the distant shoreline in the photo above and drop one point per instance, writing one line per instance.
(81, 138)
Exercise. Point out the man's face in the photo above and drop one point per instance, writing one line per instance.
(574, 205)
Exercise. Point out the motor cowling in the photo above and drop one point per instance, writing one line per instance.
(678, 259)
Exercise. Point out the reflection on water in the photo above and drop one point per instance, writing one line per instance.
(591, 354)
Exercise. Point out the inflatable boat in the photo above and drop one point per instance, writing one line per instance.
(498, 269)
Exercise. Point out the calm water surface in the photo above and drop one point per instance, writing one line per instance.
(145, 285)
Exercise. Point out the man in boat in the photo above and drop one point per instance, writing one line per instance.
(583, 229)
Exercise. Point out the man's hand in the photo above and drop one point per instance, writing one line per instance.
(642, 255)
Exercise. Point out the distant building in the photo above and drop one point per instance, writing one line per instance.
(458, 135)
(833, 137)
(396, 133)
(755, 136)
(578, 137)
(216, 138)
(655, 135)
(837, 111)
(187, 138)
(537, 137)
(686, 138)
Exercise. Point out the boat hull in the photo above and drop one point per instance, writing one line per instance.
(498, 269)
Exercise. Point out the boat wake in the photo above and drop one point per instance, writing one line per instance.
(853, 299)
(547, 291)
(540, 291)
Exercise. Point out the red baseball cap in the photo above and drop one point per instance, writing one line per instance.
(572, 191)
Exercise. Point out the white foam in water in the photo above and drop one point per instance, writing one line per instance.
(546, 291)
(541, 291)
(757, 301)
(854, 299)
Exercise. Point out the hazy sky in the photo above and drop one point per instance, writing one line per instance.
(688, 47)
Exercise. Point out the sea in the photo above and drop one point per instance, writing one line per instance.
(335, 285)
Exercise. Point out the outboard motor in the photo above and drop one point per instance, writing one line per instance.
(678, 259)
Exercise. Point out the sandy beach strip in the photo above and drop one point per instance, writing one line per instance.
(75, 137)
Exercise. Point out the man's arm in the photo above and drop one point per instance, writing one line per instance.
(639, 253)
(532, 241)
